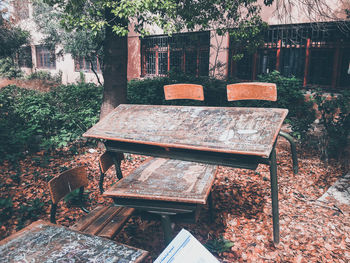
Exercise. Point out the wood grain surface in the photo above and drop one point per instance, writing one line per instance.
(167, 180)
(45, 242)
(247, 131)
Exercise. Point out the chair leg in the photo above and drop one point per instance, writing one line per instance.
(53, 213)
(100, 183)
(293, 149)
(166, 225)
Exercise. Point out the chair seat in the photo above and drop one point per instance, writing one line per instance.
(104, 221)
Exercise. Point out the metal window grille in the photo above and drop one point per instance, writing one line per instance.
(45, 57)
(291, 42)
(180, 52)
(83, 64)
(321, 66)
(266, 61)
(25, 57)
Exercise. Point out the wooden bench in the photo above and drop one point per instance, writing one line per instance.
(104, 221)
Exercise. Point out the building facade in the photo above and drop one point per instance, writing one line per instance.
(317, 53)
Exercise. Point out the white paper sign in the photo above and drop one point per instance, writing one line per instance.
(185, 248)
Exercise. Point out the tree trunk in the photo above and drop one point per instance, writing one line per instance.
(114, 68)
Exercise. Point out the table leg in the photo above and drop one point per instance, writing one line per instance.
(166, 225)
(274, 197)
(211, 207)
(117, 162)
(293, 149)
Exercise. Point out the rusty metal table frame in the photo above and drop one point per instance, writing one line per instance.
(115, 142)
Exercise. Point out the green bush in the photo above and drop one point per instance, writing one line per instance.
(335, 120)
(46, 76)
(29, 119)
(13, 135)
(150, 91)
(290, 96)
(9, 69)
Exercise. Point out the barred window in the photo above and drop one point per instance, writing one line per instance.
(84, 64)
(45, 58)
(25, 57)
(188, 53)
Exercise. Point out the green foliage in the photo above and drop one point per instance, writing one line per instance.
(219, 245)
(9, 69)
(6, 209)
(290, 96)
(46, 75)
(150, 91)
(30, 119)
(335, 119)
(12, 133)
(11, 38)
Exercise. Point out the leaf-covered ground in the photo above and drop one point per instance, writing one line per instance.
(311, 231)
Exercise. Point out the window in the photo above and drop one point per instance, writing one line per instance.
(25, 57)
(266, 61)
(45, 58)
(187, 53)
(321, 66)
(292, 62)
(84, 64)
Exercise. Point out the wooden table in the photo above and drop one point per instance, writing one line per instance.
(235, 137)
(45, 242)
(172, 189)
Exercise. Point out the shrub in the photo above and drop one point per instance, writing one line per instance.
(335, 120)
(9, 69)
(290, 95)
(150, 91)
(13, 135)
(46, 76)
(30, 118)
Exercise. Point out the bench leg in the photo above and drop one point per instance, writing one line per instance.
(293, 149)
(166, 225)
(274, 197)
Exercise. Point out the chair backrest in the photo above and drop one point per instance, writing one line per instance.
(184, 91)
(252, 91)
(66, 182)
(105, 162)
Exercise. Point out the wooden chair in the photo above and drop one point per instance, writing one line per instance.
(106, 161)
(260, 91)
(183, 91)
(102, 221)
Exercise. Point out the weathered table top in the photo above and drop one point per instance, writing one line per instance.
(46, 242)
(247, 131)
(167, 180)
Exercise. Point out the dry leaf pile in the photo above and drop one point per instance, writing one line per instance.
(310, 230)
